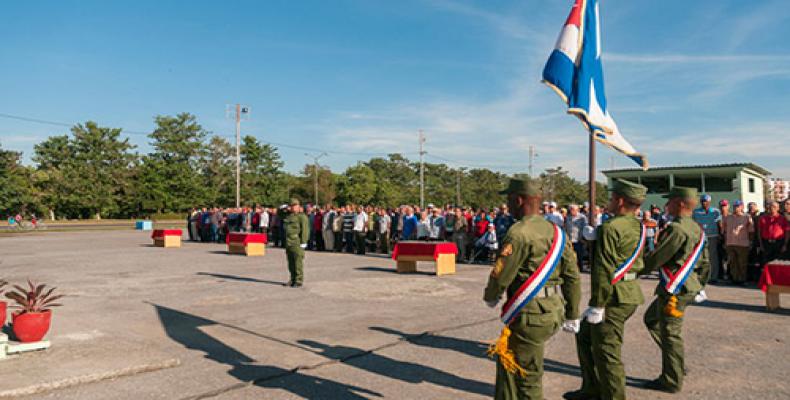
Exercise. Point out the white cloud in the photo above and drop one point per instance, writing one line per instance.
(497, 132)
(690, 59)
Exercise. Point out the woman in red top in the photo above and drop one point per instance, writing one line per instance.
(774, 235)
(318, 220)
(481, 224)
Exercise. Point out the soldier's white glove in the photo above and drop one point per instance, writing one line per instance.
(700, 297)
(593, 315)
(304, 245)
(571, 325)
(492, 303)
(588, 233)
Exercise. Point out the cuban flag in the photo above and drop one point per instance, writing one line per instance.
(575, 72)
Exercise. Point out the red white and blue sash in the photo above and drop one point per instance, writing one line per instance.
(537, 280)
(623, 269)
(673, 282)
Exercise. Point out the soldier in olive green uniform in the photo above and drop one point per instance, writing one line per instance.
(524, 247)
(618, 246)
(297, 232)
(676, 245)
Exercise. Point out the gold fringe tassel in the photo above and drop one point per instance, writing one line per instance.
(671, 308)
(501, 349)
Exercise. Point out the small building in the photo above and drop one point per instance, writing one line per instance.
(744, 181)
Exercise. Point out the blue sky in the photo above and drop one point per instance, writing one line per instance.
(687, 82)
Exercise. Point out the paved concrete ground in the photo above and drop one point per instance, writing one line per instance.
(144, 323)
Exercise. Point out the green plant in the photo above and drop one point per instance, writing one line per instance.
(35, 299)
(2, 284)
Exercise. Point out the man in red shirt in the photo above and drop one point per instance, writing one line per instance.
(774, 233)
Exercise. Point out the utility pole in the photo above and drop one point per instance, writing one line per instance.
(238, 155)
(315, 173)
(458, 174)
(532, 156)
(422, 171)
(239, 112)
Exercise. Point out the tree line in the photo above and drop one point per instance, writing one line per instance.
(94, 172)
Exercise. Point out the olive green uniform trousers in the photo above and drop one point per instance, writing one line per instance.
(529, 332)
(667, 333)
(295, 257)
(598, 346)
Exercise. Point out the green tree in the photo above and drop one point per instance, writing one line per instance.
(51, 156)
(358, 185)
(87, 174)
(396, 180)
(305, 185)
(170, 178)
(560, 187)
(480, 187)
(263, 180)
(440, 184)
(219, 171)
(16, 190)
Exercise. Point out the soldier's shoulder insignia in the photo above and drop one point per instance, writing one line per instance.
(506, 250)
(499, 265)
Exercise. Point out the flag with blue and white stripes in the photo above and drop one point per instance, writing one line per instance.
(575, 72)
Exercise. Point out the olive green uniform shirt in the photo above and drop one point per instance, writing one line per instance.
(524, 248)
(297, 230)
(675, 246)
(615, 242)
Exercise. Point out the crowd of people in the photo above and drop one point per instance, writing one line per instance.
(741, 239)
(362, 229)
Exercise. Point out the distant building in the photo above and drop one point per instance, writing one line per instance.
(778, 189)
(724, 181)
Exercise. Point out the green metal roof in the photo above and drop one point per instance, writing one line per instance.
(751, 166)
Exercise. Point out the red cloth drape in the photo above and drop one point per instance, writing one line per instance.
(775, 273)
(158, 233)
(246, 238)
(432, 249)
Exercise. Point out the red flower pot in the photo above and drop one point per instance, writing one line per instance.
(31, 327)
(3, 307)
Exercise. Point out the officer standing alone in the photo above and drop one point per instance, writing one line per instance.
(297, 233)
(614, 297)
(536, 267)
(682, 259)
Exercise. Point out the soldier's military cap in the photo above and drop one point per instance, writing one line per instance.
(294, 202)
(681, 192)
(629, 189)
(526, 187)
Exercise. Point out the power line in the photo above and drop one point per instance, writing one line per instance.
(278, 144)
(55, 123)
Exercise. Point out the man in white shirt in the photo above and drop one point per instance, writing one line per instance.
(264, 221)
(360, 229)
(383, 234)
(554, 215)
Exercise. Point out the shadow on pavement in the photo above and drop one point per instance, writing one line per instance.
(478, 349)
(391, 270)
(184, 329)
(471, 348)
(399, 370)
(241, 278)
(740, 307)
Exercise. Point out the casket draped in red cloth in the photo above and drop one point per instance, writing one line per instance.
(246, 238)
(775, 273)
(160, 233)
(432, 249)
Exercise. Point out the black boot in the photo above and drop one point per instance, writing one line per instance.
(578, 395)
